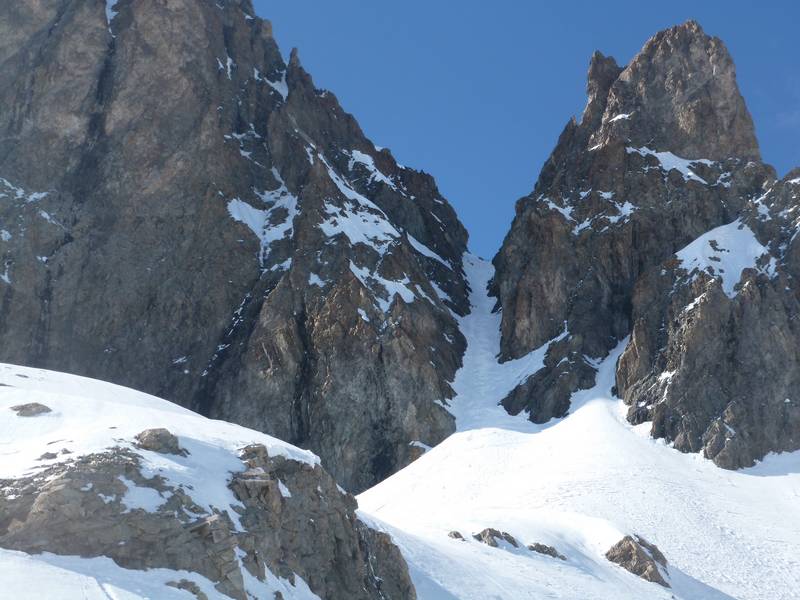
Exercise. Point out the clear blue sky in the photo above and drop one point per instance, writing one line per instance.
(476, 93)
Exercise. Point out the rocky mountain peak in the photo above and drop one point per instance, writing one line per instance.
(662, 172)
(679, 94)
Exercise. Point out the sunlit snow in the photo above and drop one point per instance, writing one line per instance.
(89, 416)
(281, 205)
(579, 484)
(670, 161)
(375, 174)
(483, 381)
(725, 252)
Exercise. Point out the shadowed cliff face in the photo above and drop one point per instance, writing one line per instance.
(184, 212)
(664, 154)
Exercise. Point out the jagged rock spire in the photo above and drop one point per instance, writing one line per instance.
(681, 94)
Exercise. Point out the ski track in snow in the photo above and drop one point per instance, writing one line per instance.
(580, 484)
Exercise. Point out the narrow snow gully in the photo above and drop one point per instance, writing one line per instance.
(579, 485)
(482, 382)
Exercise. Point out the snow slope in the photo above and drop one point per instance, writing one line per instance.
(580, 484)
(725, 252)
(89, 416)
(481, 376)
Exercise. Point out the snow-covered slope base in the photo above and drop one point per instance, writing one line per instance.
(580, 484)
(110, 493)
(88, 417)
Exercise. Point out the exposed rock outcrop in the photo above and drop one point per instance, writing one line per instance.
(211, 502)
(281, 270)
(546, 550)
(640, 557)
(490, 537)
(456, 535)
(88, 507)
(713, 359)
(619, 236)
(159, 440)
(31, 409)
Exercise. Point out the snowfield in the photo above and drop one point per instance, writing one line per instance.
(724, 252)
(89, 416)
(580, 484)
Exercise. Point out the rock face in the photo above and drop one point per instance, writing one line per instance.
(210, 501)
(637, 555)
(644, 219)
(80, 508)
(712, 359)
(162, 166)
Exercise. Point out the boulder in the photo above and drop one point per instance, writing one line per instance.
(643, 559)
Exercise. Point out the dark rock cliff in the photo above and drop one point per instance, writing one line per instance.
(663, 161)
(183, 212)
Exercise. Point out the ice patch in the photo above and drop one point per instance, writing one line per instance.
(8, 190)
(566, 211)
(625, 210)
(111, 12)
(443, 296)
(388, 287)
(360, 220)
(279, 86)
(284, 490)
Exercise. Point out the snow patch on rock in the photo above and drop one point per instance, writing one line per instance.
(269, 224)
(375, 174)
(724, 252)
(670, 161)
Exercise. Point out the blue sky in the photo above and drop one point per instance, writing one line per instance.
(476, 93)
